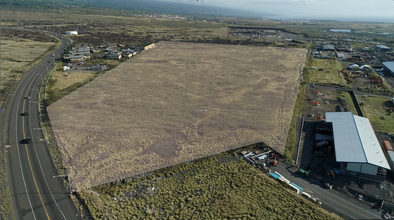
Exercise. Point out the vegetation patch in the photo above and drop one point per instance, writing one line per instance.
(6, 204)
(379, 111)
(347, 102)
(326, 72)
(217, 187)
(176, 103)
(17, 56)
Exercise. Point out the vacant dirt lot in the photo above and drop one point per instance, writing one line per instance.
(175, 103)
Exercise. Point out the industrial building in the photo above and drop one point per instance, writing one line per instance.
(389, 66)
(356, 145)
(326, 47)
(382, 48)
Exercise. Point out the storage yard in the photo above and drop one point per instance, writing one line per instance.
(176, 103)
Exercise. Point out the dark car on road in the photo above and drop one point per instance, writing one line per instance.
(28, 140)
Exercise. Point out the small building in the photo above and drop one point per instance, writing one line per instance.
(113, 56)
(83, 50)
(326, 47)
(72, 32)
(365, 67)
(128, 53)
(356, 145)
(382, 48)
(346, 48)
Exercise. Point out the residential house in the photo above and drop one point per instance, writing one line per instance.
(128, 53)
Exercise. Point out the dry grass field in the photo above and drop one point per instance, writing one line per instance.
(374, 109)
(64, 79)
(18, 55)
(176, 103)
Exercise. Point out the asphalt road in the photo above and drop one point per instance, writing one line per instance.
(35, 194)
(333, 201)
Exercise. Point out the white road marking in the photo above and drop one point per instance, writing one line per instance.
(42, 172)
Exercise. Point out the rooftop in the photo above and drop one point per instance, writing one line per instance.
(389, 65)
(355, 140)
(383, 47)
(328, 47)
(341, 30)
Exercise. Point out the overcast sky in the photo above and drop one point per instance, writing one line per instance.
(325, 9)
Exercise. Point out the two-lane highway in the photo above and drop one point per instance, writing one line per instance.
(35, 194)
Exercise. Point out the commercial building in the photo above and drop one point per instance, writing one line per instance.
(356, 145)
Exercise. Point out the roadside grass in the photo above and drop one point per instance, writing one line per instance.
(291, 141)
(7, 212)
(347, 101)
(216, 187)
(331, 74)
(373, 110)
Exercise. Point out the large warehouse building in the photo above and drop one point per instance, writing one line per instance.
(356, 144)
(389, 66)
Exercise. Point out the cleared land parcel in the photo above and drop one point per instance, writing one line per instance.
(176, 103)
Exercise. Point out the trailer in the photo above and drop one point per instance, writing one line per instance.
(284, 180)
(274, 175)
(295, 185)
(297, 190)
(387, 146)
(249, 160)
(306, 195)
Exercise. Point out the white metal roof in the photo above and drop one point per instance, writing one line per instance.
(355, 141)
(354, 65)
(389, 65)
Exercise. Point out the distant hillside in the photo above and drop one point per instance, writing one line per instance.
(144, 6)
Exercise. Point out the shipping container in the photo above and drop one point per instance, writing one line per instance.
(387, 146)
(262, 157)
(293, 184)
(275, 176)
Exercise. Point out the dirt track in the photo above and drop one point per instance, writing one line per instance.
(175, 103)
